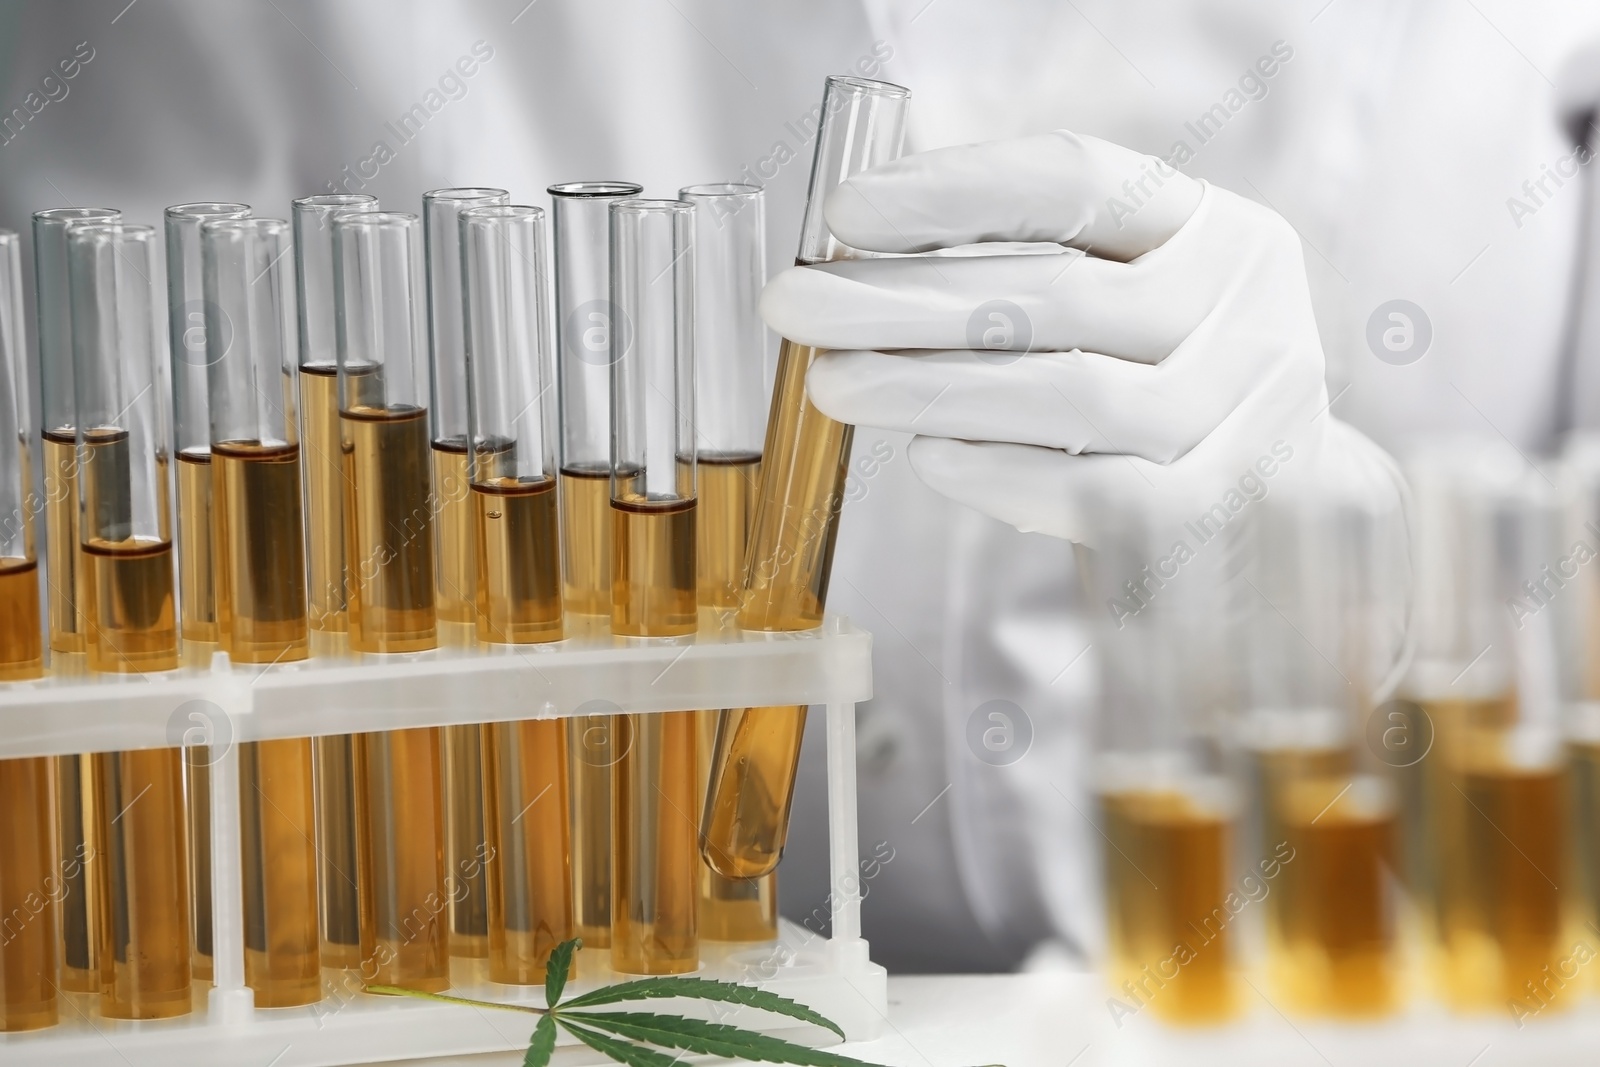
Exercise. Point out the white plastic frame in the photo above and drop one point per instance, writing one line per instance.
(226, 705)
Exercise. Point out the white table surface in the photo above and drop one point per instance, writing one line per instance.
(1061, 1020)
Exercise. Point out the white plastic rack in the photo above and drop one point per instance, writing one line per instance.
(226, 705)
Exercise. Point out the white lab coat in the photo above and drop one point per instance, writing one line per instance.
(1392, 139)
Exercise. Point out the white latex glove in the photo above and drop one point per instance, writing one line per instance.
(1172, 363)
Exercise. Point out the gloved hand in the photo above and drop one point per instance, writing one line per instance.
(1167, 357)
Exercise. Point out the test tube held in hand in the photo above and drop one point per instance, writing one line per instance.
(796, 521)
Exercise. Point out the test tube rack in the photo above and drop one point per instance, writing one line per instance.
(225, 705)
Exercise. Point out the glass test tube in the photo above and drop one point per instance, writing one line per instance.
(454, 565)
(510, 374)
(654, 888)
(388, 521)
(30, 880)
(322, 471)
(76, 793)
(259, 551)
(197, 602)
(798, 499)
(1324, 638)
(730, 421)
(1167, 809)
(1488, 808)
(124, 526)
(580, 217)
(186, 324)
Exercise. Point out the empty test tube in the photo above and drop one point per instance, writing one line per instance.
(798, 499)
(511, 371)
(260, 584)
(30, 881)
(454, 564)
(654, 888)
(321, 464)
(124, 525)
(730, 421)
(197, 601)
(388, 521)
(580, 220)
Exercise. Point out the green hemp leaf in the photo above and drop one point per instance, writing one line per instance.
(648, 1039)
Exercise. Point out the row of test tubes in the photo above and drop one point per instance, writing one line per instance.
(1348, 777)
(385, 445)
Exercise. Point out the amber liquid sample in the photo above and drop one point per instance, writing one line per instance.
(128, 607)
(147, 881)
(337, 805)
(1331, 935)
(279, 866)
(731, 909)
(21, 629)
(455, 565)
(586, 539)
(197, 802)
(1583, 759)
(527, 820)
(404, 898)
(29, 883)
(61, 540)
(653, 590)
(388, 530)
(196, 562)
(519, 561)
(594, 744)
(1170, 931)
(82, 902)
(464, 842)
(260, 552)
(323, 467)
(751, 789)
(655, 877)
(800, 494)
(727, 493)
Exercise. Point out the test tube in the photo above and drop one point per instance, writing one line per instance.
(1488, 807)
(796, 522)
(1168, 811)
(388, 521)
(454, 566)
(510, 374)
(30, 881)
(730, 410)
(580, 217)
(197, 601)
(322, 470)
(254, 440)
(124, 526)
(186, 323)
(1324, 640)
(655, 875)
(76, 792)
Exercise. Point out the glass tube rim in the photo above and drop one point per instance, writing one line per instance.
(514, 212)
(463, 193)
(721, 190)
(205, 209)
(867, 87)
(377, 220)
(595, 190)
(70, 215)
(142, 231)
(9, 237)
(264, 223)
(333, 200)
(640, 205)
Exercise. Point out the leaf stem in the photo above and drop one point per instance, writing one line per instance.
(417, 994)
